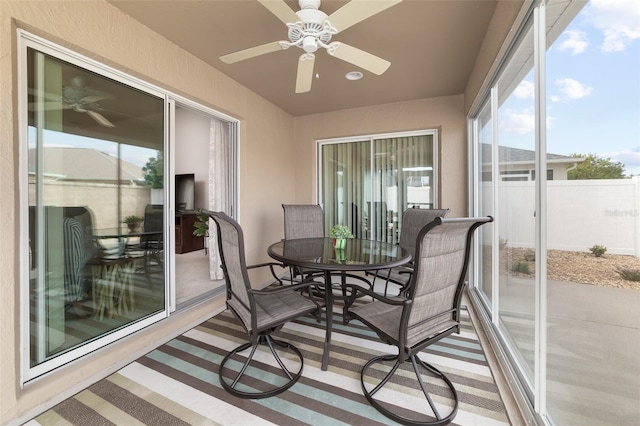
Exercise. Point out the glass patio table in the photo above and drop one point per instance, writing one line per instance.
(319, 254)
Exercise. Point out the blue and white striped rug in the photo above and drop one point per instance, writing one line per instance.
(177, 384)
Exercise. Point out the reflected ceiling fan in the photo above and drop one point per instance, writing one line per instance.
(310, 29)
(80, 98)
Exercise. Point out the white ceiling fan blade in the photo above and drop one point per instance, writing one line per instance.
(282, 11)
(93, 98)
(48, 106)
(305, 72)
(356, 11)
(360, 58)
(46, 95)
(251, 52)
(100, 118)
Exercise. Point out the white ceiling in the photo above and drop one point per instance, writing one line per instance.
(432, 46)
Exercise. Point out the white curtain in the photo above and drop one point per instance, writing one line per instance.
(218, 187)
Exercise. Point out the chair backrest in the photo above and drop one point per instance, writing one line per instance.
(440, 267)
(153, 224)
(303, 221)
(413, 220)
(232, 256)
(153, 216)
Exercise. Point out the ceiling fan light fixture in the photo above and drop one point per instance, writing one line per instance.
(309, 44)
(353, 75)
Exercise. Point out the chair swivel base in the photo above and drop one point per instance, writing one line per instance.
(421, 417)
(243, 385)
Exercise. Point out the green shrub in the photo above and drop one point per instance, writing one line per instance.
(629, 274)
(598, 250)
(522, 267)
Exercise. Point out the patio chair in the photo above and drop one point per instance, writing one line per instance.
(413, 220)
(428, 312)
(261, 312)
(303, 221)
(307, 221)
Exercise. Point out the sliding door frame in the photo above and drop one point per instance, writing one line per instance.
(27, 40)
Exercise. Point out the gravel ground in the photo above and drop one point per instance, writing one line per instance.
(577, 267)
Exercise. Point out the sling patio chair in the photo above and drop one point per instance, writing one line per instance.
(413, 220)
(307, 221)
(261, 312)
(428, 312)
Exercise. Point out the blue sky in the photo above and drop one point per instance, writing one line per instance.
(593, 88)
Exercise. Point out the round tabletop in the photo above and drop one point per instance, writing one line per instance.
(320, 254)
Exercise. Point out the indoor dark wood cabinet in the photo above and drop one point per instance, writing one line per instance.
(185, 240)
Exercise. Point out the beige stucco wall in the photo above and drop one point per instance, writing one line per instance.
(445, 114)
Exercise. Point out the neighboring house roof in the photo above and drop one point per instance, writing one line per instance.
(83, 164)
(511, 155)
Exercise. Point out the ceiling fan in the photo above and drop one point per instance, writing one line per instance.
(310, 28)
(80, 98)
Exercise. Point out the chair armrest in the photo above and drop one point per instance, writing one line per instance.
(270, 265)
(292, 287)
(355, 289)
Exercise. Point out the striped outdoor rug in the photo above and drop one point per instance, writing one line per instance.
(177, 384)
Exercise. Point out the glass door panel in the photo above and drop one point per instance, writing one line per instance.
(484, 129)
(371, 202)
(516, 198)
(403, 178)
(96, 235)
(593, 333)
(346, 187)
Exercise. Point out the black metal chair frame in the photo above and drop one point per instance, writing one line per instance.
(317, 232)
(408, 353)
(259, 334)
(405, 271)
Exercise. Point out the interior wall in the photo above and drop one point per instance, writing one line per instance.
(445, 114)
(96, 29)
(192, 151)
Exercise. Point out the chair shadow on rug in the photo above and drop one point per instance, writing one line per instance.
(428, 311)
(261, 312)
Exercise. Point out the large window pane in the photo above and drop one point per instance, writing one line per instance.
(346, 188)
(95, 161)
(484, 128)
(371, 202)
(516, 199)
(593, 108)
(403, 178)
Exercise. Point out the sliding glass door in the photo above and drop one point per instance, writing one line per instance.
(98, 158)
(555, 144)
(95, 236)
(367, 183)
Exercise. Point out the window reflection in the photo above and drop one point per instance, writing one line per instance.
(90, 143)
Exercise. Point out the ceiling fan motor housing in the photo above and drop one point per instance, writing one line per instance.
(311, 31)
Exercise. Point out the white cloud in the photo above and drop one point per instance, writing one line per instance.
(629, 157)
(619, 21)
(524, 90)
(573, 89)
(517, 122)
(575, 41)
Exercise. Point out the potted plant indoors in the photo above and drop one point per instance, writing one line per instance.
(340, 233)
(133, 221)
(201, 227)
